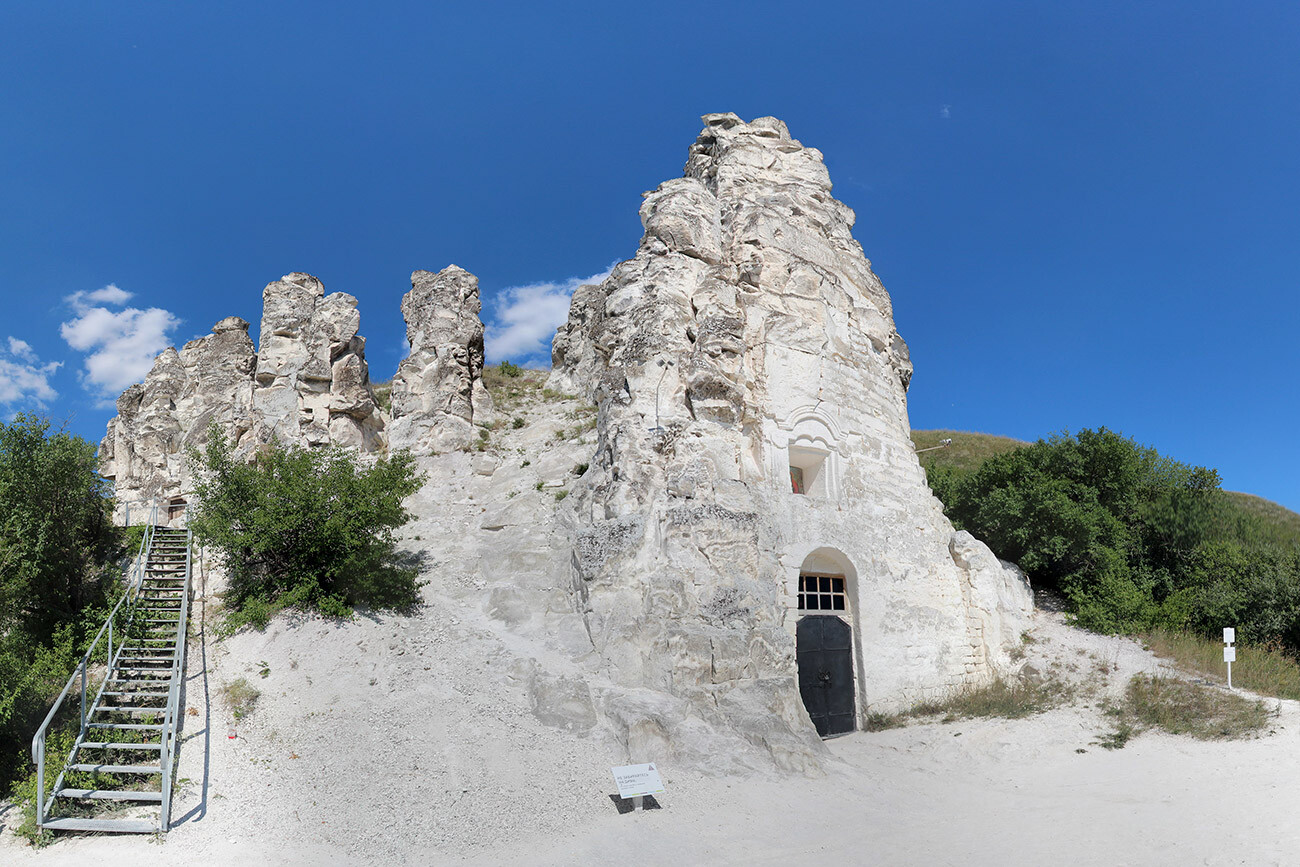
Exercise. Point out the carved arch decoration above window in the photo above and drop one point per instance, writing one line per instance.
(808, 446)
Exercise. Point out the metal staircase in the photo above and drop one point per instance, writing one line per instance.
(120, 767)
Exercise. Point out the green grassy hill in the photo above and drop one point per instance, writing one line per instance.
(969, 450)
(1278, 522)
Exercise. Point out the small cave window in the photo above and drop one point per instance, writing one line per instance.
(175, 508)
(806, 466)
(821, 592)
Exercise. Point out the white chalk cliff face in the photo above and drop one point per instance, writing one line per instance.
(313, 383)
(752, 434)
(748, 344)
(308, 385)
(438, 393)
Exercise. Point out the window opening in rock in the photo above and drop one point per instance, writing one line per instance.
(821, 593)
(806, 476)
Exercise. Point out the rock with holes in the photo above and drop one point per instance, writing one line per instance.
(754, 491)
(438, 392)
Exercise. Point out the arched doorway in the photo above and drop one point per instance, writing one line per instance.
(824, 642)
(825, 654)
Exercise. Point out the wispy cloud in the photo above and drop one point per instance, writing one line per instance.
(524, 318)
(121, 344)
(23, 377)
(945, 111)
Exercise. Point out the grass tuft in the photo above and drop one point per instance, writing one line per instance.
(1008, 699)
(1181, 707)
(240, 696)
(1262, 669)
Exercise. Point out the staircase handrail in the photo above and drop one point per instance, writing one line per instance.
(134, 582)
(172, 718)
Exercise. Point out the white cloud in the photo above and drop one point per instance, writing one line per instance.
(524, 318)
(21, 349)
(946, 111)
(109, 294)
(121, 344)
(23, 377)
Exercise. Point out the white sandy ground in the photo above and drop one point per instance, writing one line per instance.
(484, 784)
(411, 740)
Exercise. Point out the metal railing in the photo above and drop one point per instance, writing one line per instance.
(170, 733)
(125, 607)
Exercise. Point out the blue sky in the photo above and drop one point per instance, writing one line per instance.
(1085, 213)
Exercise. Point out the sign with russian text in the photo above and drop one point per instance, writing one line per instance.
(636, 780)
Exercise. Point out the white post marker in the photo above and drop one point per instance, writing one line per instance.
(637, 781)
(1229, 652)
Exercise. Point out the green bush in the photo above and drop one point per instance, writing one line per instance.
(510, 370)
(307, 528)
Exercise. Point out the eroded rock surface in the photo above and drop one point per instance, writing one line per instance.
(749, 344)
(438, 392)
(313, 384)
(308, 385)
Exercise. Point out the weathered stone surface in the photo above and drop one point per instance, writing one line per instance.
(748, 336)
(208, 382)
(438, 392)
(313, 384)
(309, 385)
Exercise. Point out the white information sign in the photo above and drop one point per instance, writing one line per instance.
(1229, 635)
(1229, 654)
(636, 780)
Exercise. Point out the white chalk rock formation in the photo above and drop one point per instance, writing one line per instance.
(309, 385)
(438, 392)
(313, 384)
(753, 441)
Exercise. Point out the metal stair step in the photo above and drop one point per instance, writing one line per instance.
(140, 694)
(118, 826)
(132, 708)
(107, 745)
(117, 769)
(109, 795)
(134, 727)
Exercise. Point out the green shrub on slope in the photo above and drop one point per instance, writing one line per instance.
(305, 527)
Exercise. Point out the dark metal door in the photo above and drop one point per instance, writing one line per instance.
(824, 651)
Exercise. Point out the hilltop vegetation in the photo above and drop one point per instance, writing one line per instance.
(1133, 539)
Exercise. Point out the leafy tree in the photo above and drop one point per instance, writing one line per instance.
(1114, 525)
(57, 552)
(55, 532)
(305, 527)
